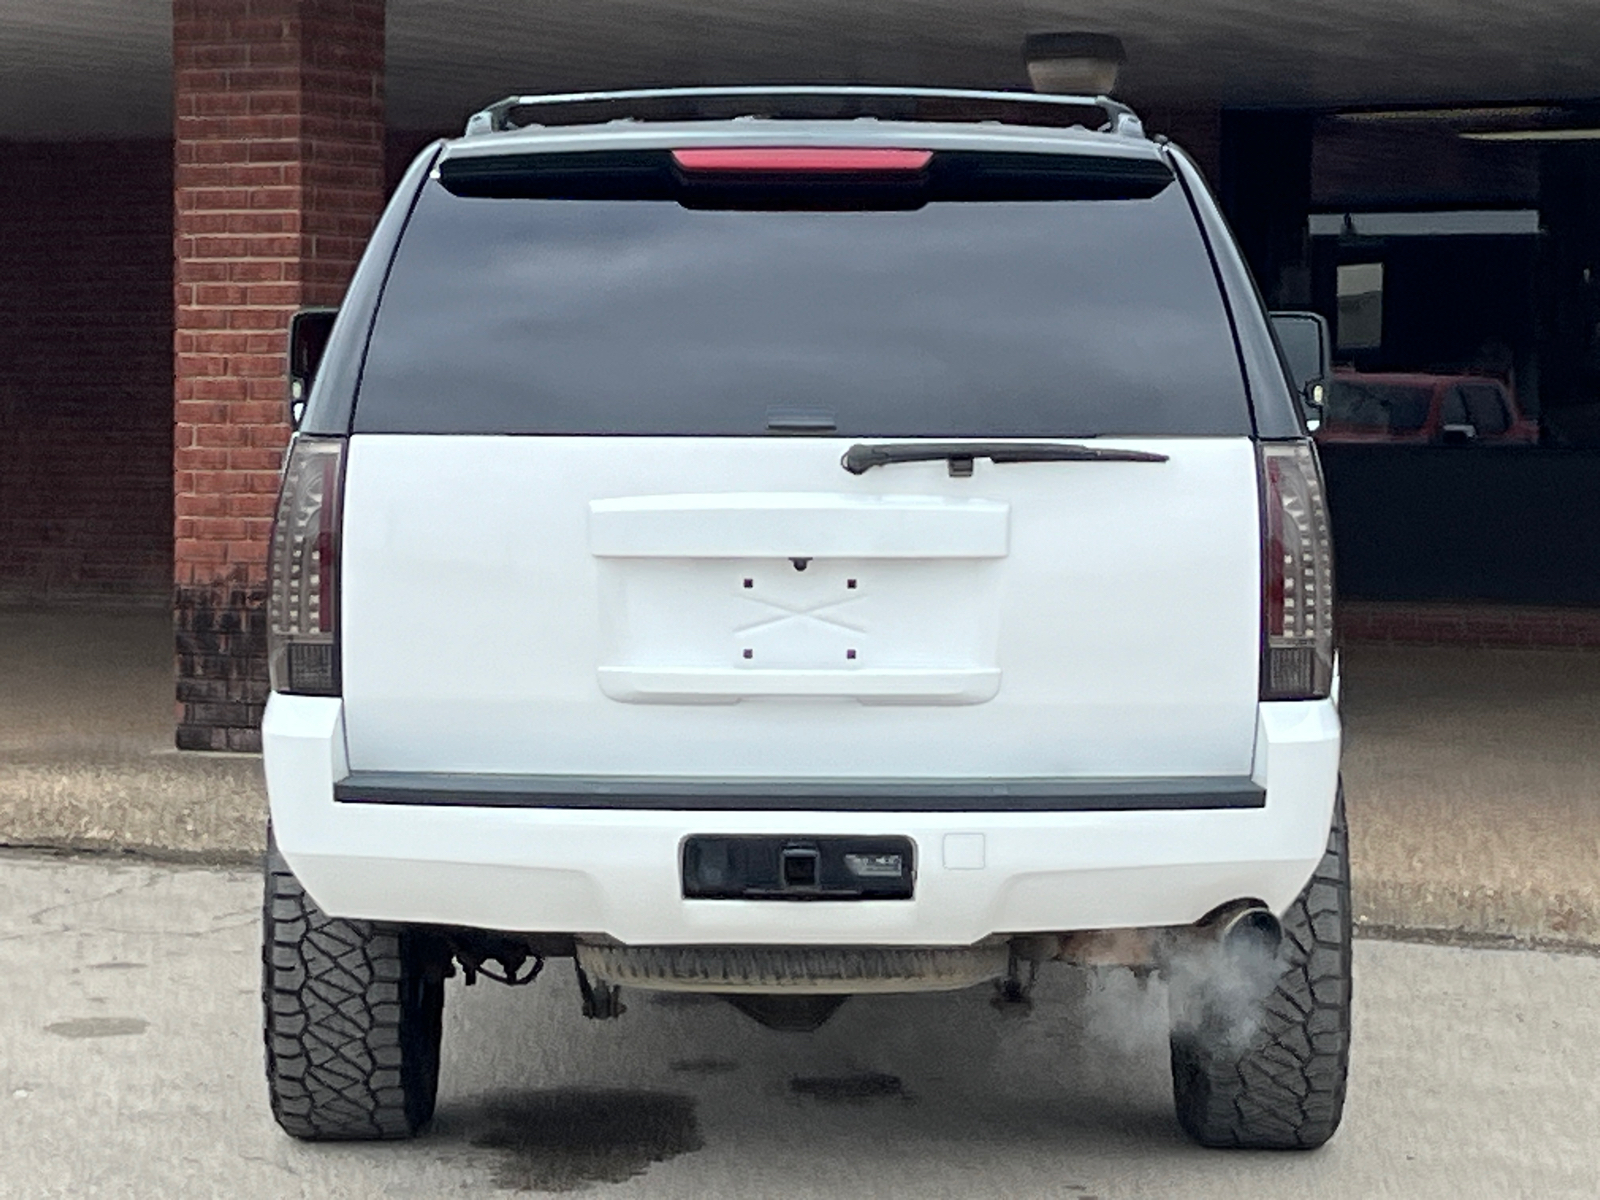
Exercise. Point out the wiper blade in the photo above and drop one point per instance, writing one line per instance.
(861, 458)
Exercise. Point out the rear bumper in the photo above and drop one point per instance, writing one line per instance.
(614, 870)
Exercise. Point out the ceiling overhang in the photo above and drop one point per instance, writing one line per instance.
(101, 68)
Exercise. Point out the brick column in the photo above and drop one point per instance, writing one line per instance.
(279, 180)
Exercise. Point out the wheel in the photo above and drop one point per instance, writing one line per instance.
(353, 1014)
(1260, 1055)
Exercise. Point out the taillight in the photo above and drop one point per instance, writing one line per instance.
(1297, 575)
(303, 575)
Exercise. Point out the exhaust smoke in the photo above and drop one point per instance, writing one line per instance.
(1216, 978)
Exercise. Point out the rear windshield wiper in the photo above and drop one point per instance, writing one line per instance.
(861, 458)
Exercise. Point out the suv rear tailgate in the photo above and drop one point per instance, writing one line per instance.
(731, 607)
(595, 518)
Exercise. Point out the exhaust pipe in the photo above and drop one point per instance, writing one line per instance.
(1245, 928)
(1240, 929)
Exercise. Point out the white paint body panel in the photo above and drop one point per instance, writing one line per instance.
(785, 524)
(616, 872)
(535, 605)
(582, 606)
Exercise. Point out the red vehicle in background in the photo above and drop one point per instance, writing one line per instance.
(1422, 409)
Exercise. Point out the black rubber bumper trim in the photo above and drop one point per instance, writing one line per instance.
(852, 795)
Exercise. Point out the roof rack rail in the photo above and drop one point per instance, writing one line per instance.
(496, 118)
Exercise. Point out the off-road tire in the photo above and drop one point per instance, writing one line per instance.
(353, 1012)
(1281, 1085)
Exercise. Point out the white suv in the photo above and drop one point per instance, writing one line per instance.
(787, 544)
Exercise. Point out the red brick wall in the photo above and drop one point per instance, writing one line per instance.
(279, 179)
(85, 370)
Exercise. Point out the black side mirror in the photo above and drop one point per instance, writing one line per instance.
(308, 338)
(1307, 352)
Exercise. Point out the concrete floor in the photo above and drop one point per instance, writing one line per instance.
(1473, 784)
(87, 714)
(130, 1065)
(1472, 776)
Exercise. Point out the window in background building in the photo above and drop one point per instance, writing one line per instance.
(1360, 287)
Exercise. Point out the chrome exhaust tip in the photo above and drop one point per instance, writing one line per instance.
(1247, 929)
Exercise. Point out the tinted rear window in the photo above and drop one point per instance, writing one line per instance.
(965, 316)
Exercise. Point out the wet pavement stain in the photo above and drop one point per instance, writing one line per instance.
(851, 1089)
(118, 966)
(566, 1139)
(704, 1066)
(97, 1027)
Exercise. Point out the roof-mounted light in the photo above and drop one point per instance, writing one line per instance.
(1061, 63)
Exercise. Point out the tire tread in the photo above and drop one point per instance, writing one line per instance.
(1285, 1088)
(339, 1040)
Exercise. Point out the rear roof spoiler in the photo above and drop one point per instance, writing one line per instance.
(777, 102)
